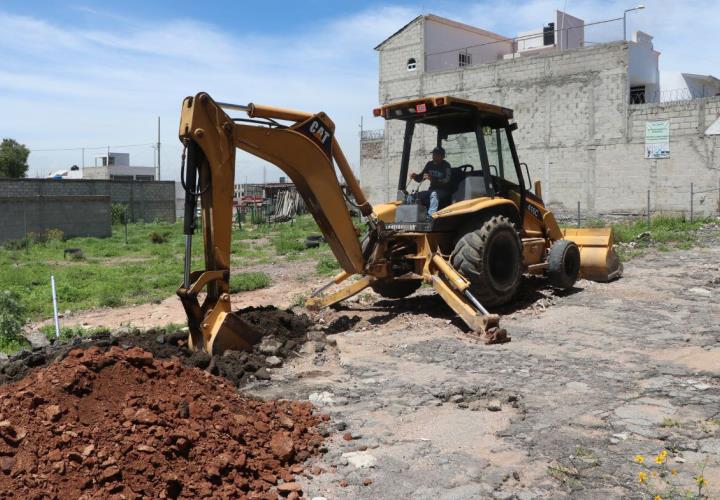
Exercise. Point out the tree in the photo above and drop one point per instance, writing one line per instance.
(13, 159)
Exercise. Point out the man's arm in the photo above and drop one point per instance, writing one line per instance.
(419, 177)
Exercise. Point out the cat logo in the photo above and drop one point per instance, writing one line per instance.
(319, 131)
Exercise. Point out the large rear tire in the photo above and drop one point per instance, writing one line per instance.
(395, 289)
(490, 258)
(563, 264)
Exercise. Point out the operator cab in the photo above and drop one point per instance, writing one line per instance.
(478, 143)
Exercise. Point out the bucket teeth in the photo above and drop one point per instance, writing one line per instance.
(234, 334)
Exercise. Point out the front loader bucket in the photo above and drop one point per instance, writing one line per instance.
(598, 260)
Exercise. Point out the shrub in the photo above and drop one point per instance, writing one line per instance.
(284, 245)
(158, 238)
(12, 319)
(327, 265)
(20, 244)
(55, 235)
(37, 237)
(244, 282)
(109, 297)
(119, 213)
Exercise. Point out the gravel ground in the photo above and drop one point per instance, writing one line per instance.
(592, 378)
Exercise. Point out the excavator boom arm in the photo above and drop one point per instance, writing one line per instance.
(304, 150)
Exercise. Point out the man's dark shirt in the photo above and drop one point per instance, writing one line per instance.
(439, 174)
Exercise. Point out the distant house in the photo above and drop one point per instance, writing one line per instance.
(116, 166)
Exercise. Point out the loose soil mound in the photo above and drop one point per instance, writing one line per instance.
(123, 424)
(283, 329)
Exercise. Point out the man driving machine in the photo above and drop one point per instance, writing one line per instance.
(438, 172)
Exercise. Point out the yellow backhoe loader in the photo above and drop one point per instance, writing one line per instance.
(473, 251)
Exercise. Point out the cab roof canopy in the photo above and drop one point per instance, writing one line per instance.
(452, 115)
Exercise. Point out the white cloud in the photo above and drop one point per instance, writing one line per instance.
(61, 86)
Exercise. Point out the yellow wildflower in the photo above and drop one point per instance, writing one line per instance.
(663, 453)
(657, 497)
(660, 459)
(700, 480)
(673, 472)
(639, 459)
(642, 477)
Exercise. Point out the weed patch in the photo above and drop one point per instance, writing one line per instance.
(245, 282)
(327, 265)
(12, 321)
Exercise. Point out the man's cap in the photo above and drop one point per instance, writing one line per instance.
(439, 150)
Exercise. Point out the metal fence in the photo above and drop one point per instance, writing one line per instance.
(690, 192)
(372, 135)
(669, 95)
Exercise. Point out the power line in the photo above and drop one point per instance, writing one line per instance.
(93, 147)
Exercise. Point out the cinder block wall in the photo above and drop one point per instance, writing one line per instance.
(147, 201)
(577, 132)
(75, 216)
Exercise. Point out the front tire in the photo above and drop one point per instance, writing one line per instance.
(563, 264)
(490, 258)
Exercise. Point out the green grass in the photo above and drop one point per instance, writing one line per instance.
(327, 265)
(146, 268)
(665, 233)
(663, 229)
(67, 333)
(669, 422)
(244, 282)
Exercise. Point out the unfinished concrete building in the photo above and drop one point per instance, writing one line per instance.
(593, 124)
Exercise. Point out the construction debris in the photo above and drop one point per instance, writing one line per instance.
(121, 423)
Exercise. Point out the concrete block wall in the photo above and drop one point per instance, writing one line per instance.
(74, 215)
(147, 201)
(577, 132)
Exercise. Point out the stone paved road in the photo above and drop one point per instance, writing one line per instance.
(591, 379)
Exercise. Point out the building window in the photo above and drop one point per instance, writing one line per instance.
(144, 177)
(464, 59)
(637, 94)
(411, 64)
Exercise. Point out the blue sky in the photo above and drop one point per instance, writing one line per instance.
(91, 73)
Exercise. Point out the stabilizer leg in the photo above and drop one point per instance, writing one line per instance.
(459, 298)
(318, 301)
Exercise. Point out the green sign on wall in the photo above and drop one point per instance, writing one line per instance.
(657, 139)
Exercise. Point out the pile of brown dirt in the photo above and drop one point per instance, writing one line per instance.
(283, 329)
(123, 424)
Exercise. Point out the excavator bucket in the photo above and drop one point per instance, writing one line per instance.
(598, 260)
(232, 333)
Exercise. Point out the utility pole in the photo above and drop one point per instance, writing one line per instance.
(158, 150)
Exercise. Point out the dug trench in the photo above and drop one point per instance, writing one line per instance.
(285, 334)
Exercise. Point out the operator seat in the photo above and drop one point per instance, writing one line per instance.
(466, 185)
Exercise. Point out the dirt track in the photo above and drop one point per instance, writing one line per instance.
(590, 380)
